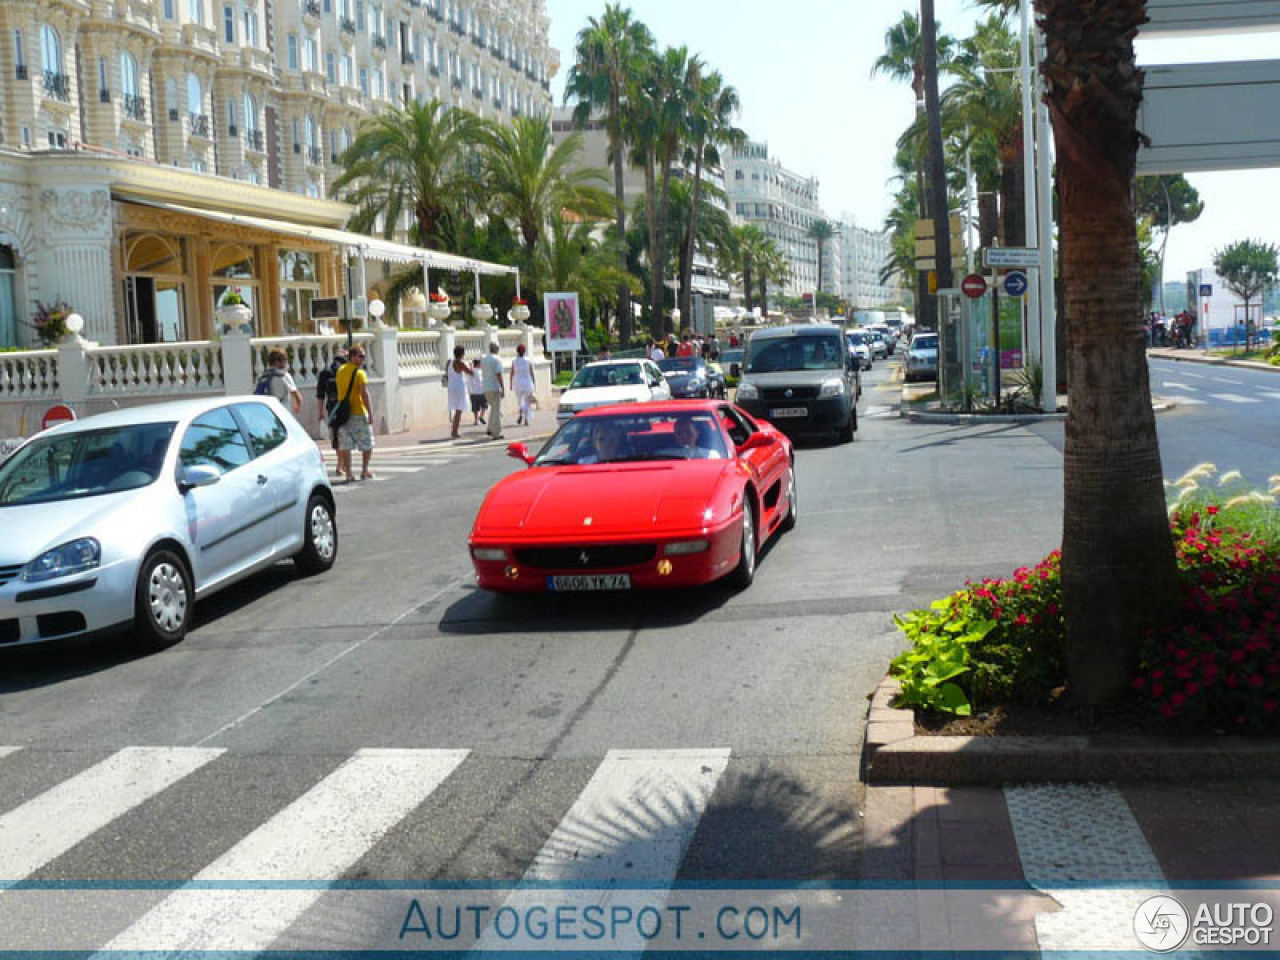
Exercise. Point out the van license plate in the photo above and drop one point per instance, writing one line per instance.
(599, 581)
(790, 412)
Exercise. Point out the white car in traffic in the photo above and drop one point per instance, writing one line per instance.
(123, 520)
(612, 381)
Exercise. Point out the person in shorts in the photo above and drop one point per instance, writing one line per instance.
(357, 432)
(479, 403)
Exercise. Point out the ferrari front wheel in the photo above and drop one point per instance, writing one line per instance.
(745, 571)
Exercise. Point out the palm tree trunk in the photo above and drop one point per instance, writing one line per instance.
(651, 208)
(988, 219)
(764, 293)
(822, 244)
(748, 295)
(686, 249)
(626, 316)
(1118, 570)
(937, 170)
(658, 280)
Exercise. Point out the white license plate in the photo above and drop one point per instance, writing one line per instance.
(790, 412)
(598, 581)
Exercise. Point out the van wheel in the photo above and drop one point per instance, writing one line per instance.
(163, 599)
(847, 431)
(320, 537)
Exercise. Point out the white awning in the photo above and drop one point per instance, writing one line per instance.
(374, 248)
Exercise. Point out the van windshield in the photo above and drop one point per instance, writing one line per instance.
(794, 353)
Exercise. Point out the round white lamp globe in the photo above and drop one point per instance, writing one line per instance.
(75, 323)
(376, 309)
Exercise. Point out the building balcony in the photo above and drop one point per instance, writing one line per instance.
(311, 8)
(477, 93)
(253, 141)
(497, 102)
(200, 38)
(135, 107)
(434, 12)
(455, 82)
(407, 58)
(347, 26)
(199, 123)
(546, 86)
(458, 29)
(314, 157)
(379, 43)
(56, 87)
(20, 71)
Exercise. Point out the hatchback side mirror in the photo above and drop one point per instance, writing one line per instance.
(519, 451)
(198, 475)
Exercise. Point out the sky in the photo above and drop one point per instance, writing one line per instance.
(803, 72)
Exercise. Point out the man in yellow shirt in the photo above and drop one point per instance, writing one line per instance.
(357, 432)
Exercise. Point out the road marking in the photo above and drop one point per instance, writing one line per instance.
(1198, 376)
(1238, 383)
(630, 826)
(314, 840)
(1269, 394)
(1234, 398)
(48, 825)
(5, 751)
(1174, 383)
(1185, 401)
(1072, 836)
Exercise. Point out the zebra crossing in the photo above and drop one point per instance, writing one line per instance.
(1202, 395)
(396, 461)
(628, 827)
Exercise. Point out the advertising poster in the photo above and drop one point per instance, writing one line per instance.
(564, 329)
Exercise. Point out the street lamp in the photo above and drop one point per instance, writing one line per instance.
(376, 309)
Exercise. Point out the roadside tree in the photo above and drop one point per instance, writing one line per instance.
(1249, 269)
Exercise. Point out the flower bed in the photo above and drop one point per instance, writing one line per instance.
(1000, 643)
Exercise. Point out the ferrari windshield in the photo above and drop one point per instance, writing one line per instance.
(608, 375)
(660, 435)
(794, 353)
(85, 463)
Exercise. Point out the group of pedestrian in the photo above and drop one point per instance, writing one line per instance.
(689, 345)
(346, 408)
(479, 386)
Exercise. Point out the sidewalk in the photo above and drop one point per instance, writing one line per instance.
(544, 424)
(1197, 355)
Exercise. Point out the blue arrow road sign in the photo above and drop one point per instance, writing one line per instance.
(1015, 284)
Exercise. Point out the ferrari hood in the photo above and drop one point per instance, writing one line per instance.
(607, 499)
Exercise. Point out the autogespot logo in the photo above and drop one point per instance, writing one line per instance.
(1161, 924)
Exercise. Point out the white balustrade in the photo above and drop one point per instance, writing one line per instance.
(308, 355)
(473, 341)
(163, 369)
(419, 353)
(507, 342)
(28, 374)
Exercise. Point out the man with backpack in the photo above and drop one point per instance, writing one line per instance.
(276, 381)
(327, 399)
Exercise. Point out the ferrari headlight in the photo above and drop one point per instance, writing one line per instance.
(748, 391)
(73, 557)
(496, 554)
(832, 388)
(686, 546)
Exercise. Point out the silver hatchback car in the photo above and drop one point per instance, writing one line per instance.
(127, 518)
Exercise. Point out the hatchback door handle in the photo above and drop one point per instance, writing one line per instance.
(262, 480)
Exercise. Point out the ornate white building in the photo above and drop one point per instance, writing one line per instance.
(862, 256)
(784, 205)
(265, 92)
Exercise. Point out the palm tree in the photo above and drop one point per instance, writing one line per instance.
(771, 265)
(820, 231)
(1119, 576)
(415, 159)
(712, 109)
(610, 51)
(690, 211)
(569, 257)
(528, 178)
(744, 247)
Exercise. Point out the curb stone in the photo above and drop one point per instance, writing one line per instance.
(1213, 361)
(895, 755)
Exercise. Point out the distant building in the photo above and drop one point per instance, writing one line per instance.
(863, 255)
(783, 204)
(1217, 310)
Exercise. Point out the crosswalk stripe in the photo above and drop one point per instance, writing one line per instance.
(1185, 401)
(48, 825)
(313, 840)
(1180, 386)
(5, 751)
(1234, 398)
(1269, 394)
(631, 825)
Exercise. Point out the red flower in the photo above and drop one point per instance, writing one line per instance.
(1255, 681)
(1177, 699)
(1022, 620)
(1211, 510)
(1270, 706)
(1191, 689)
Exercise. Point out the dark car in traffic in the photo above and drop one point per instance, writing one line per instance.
(691, 377)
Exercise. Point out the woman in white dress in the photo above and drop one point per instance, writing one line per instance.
(459, 395)
(523, 385)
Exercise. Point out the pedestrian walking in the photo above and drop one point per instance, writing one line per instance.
(494, 391)
(327, 399)
(457, 377)
(478, 402)
(277, 382)
(522, 385)
(656, 353)
(357, 432)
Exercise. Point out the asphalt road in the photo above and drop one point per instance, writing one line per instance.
(387, 721)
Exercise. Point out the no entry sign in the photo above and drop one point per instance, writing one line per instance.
(974, 285)
(58, 413)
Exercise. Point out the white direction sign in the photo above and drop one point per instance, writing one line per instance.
(995, 257)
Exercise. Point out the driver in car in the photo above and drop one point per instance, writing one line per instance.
(607, 443)
(690, 440)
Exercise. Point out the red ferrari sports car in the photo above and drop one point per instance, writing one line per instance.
(632, 496)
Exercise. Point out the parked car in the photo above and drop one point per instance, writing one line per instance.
(860, 344)
(803, 379)
(612, 381)
(638, 496)
(922, 358)
(731, 361)
(692, 377)
(125, 519)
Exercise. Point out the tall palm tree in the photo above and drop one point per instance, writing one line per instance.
(528, 178)
(712, 108)
(414, 159)
(937, 180)
(744, 247)
(610, 51)
(569, 257)
(820, 232)
(1118, 570)
(688, 210)
(771, 265)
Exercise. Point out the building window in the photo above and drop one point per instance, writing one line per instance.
(169, 12)
(155, 272)
(195, 11)
(250, 114)
(231, 118)
(292, 44)
(128, 74)
(104, 86)
(330, 68)
(232, 268)
(364, 81)
(8, 298)
(360, 20)
(298, 287)
(195, 95)
(228, 24)
(309, 54)
(51, 49)
(347, 68)
(19, 56)
(250, 27)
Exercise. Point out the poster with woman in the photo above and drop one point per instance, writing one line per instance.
(564, 332)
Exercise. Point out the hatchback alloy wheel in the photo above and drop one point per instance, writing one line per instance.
(167, 595)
